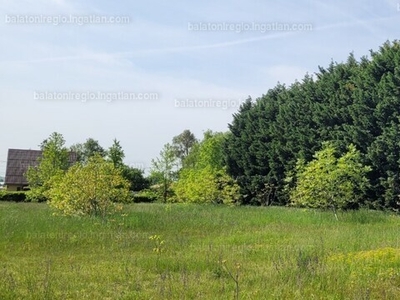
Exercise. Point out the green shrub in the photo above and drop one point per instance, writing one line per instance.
(12, 196)
(145, 196)
(206, 185)
(90, 189)
(330, 181)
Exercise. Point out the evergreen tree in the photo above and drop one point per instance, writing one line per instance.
(354, 102)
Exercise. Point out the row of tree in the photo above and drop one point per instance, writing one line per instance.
(187, 170)
(331, 140)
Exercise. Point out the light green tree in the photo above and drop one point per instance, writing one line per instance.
(206, 185)
(329, 181)
(164, 171)
(94, 188)
(53, 162)
(204, 179)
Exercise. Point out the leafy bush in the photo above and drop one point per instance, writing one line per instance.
(136, 178)
(90, 189)
(53, 162)
(330, 182)
(204, 178)
(206, 185)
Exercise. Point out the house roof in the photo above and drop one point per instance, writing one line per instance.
(20, 160)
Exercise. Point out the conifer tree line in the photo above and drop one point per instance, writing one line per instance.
(352, 104)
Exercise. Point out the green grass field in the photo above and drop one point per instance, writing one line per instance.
(198, 252)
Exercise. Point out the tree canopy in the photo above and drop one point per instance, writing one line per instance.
(182, 144)
(116, 154)
(204, 179)
(164, 171)
(54, 161)
(88, 149)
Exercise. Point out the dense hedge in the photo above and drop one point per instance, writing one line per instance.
(21, 197)
(12, 196)
(144, 198)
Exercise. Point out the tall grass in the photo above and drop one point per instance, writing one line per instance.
(207, 252)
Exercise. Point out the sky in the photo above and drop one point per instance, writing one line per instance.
(142, 72)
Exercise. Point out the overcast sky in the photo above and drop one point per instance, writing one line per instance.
(144, 71)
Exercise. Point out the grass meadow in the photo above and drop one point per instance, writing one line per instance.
(158, 251)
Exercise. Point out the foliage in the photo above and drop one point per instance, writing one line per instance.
(209, 152)
(164, 170)
(12, 196)
(384, 154)
(182, 144)
(79, 150)
(354, 102)
(205, 185)
(90, 189)
(116, 154)
(135, 177)
(206, 179)
(53, 162)
(330, 182)
(145, 196)
(88, 149)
